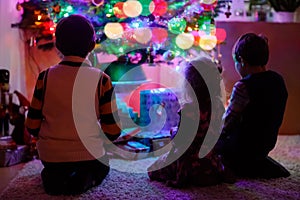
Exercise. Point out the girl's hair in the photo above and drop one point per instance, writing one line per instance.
(202, 82)
(253, 48)
(75, 36)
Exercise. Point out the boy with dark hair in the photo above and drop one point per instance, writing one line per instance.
(70, 102)
(255, 112)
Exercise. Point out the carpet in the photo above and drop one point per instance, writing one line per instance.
(125, 185)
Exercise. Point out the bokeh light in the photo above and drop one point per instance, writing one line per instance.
(128, 32)
(108, 10)
(208, 1)
(185, 40)
(161, 7)
(151, 6)
(118, 10)
(69, 9)
(177, 25)
(159, 35)
(113, 30)
(98, 2)
(208, 5)
(196, 38)
(221, 35)
(132, 8)
(148, 7)
(142, 35)
(208, 42)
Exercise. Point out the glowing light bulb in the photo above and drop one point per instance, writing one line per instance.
(132, 8)
(159, 35)
(208, 42)
(69, 9)
(113, 30)
(118, 10)
(185, 40)
(221, 35)
(208, 1)
(142, 35)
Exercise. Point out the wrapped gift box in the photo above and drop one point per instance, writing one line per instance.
(130, 150)
(11, 153)
(152, 104)
(156, 141)
(9, 157)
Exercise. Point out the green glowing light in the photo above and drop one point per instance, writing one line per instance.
(145, 5)
(69, 9)
(177, 25)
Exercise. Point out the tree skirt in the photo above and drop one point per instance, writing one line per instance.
(121, 183)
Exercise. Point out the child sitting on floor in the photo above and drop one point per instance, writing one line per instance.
(70, 99)
(255, 112)
(182, 166)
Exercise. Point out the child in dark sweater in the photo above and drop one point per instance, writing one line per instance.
(255, 112)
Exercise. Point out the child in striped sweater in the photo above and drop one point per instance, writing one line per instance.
(73, 113)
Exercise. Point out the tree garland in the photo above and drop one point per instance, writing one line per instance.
(176, 26)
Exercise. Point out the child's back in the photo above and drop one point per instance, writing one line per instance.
(71, 100)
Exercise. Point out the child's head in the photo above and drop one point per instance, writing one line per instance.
(203, 77)
(251, 48)
(75, 36)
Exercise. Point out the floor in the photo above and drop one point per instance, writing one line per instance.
(8, 173)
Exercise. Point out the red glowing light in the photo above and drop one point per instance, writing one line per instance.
(196, 37)
(118, 10)
(161, 7)
(159, 35)
(221, 35)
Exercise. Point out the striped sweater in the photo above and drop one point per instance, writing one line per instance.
(73, 112)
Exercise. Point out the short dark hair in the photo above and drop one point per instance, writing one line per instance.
(253, 48)
(74, 36)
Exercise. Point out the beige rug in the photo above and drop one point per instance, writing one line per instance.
(125, 185)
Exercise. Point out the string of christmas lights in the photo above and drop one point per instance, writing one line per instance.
(175, 26)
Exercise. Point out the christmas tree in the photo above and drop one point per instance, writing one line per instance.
(139, 29)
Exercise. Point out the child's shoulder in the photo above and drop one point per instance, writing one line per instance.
(42, 74)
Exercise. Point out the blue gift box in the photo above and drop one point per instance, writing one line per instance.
(159, 109)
